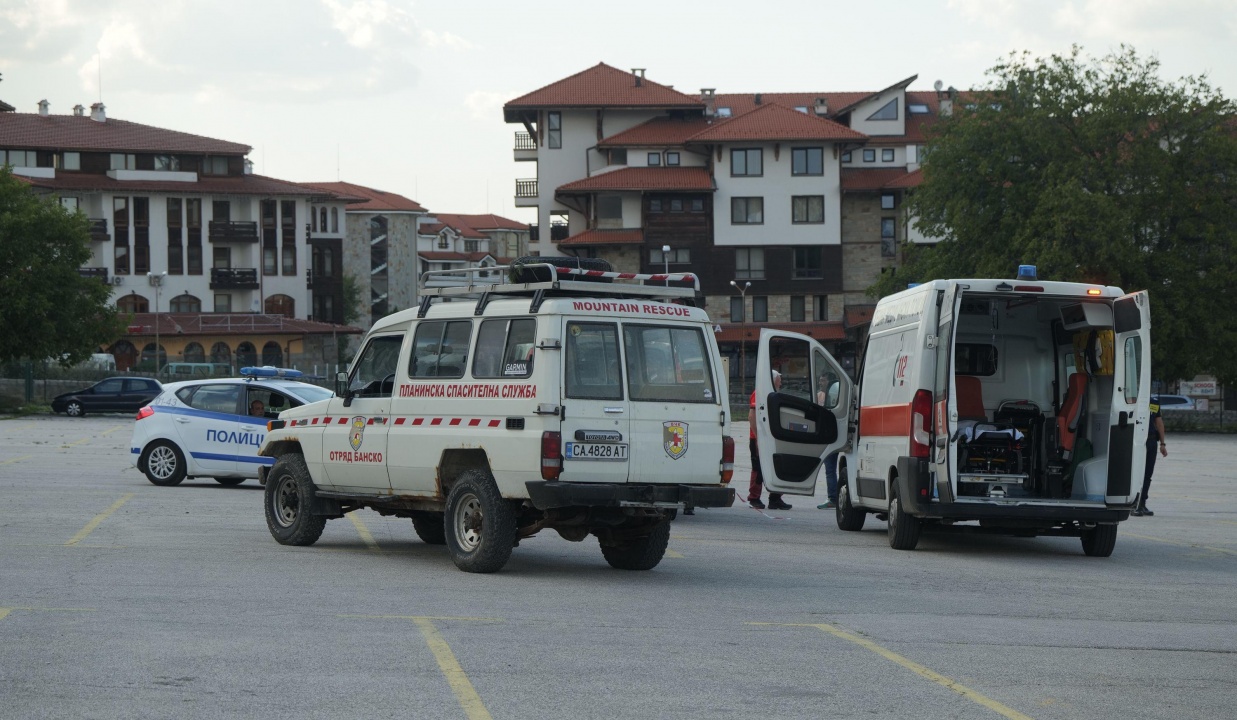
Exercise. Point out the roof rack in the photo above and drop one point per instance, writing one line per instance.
(612, 284)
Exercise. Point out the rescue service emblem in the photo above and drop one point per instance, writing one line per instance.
(674, 438)
(358, 432)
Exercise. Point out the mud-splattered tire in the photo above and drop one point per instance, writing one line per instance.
(289, 501)
(639, 553)
(163, 463)
(430, 527)
(849, 517)
(1099, 541)
(903, 528)
(479, 525)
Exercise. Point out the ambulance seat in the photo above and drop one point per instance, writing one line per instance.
(1071, 412)
(970, 398)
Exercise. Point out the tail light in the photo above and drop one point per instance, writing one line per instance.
(144, 413)
(727, 459)
(921, 415)
(551, 455)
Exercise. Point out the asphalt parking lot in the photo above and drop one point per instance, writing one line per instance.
(119, 599)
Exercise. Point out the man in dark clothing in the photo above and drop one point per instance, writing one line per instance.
(757, 480)
(1155, 437)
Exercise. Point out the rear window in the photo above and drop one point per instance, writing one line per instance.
(667, 364)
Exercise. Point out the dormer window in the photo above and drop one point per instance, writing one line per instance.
(121, 161)
(672, 159)
(917, 109)
(654, 159)
(167, 162)
(215, 165)
(723, 112)
(888, 112)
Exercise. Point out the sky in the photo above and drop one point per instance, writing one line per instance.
(406, 95)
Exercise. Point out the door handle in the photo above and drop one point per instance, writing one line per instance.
(252, 428)
(182, 420)
(612, 410)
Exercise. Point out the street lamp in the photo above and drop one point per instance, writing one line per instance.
(156, 281)
(665, 259)
(742, 340)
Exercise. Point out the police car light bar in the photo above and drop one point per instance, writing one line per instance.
(268, 371)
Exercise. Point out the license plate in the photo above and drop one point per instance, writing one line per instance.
(596, 451)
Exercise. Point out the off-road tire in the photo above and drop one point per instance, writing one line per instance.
(163, 463)
(229, 481)
(641, 552)
(903, 528)
(75, 409)
(479, 524)
(289, 500)
(430, 527)
(1100, 540)
(849, 517)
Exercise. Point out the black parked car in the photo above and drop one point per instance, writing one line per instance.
(117, 394)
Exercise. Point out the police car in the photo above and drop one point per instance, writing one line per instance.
(213, 428)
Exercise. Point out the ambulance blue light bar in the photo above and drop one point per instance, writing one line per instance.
(1027, 272)
(268, 371)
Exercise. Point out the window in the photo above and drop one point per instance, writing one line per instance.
(19, 158)
(194, 353)
(270, 248)
(807, 161)
(746, 162)
(667, 364)
(917, 109)
(505, 348)
(554, 128)
(1133, 368)
(221, 211)
(888, 112)
(609, 207)
(176, 255)
(221, 353)
(472, 246)
(121, 161)
(120, 221)
(801, 108)
(70, 161)
(747, 211)
(374, 373)
(975, 359)
(287, 232)
(617, 156)
(185, 303)
(593, 361)
(723, 112)
(846, 156)
(221, 258)
(736, 309)
(887, 202)
(654, 159)
(749, 263)
(820, 308)
(443, 243)
(886, 154)
(676, 205)
(167, 162)
(440, 349)
(888, 237)
(697, 204)
(223, 303)
(217, 398)
(676, 255)
(672, 159)
(334, 220)
(807, 209)
(797, 306)
(869, 155)
(193, 246)
(133, 303)
(281, 305)
(215, 165)
(760, 309)
(654, 206)
(808, 263)
(69, 204)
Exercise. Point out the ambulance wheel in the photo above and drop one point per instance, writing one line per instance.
(479, 525)
(289, 500)
(642, 552)
(163, 463)
(1100, 540)
(903, 528)
(430, 527)
(849, 517)
(229, 481)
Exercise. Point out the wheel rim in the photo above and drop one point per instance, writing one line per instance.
(843, 495)
(893, 511)
(161, 462)
(74, 409)
(286, 501)
(468, 520)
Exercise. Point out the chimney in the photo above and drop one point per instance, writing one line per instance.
(708, 96)
(822, 106)
(78, 110)
(757, 99)
(43, 106)
(248, 166)
(98, 113)
(639, 75)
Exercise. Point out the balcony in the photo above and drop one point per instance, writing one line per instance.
(234, 279)
(525, 146)
(233, 231)
(558, 232)
(526, 193)
(98, 230)
(319, 281)
(98, 273)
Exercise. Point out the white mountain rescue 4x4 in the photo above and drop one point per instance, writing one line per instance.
(581, 401)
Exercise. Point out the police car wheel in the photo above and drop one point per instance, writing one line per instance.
(163, 463)
(229, 481)
(430, 527)
(849, 517)
(480, 525)
(289, 500)
(903, 528)
(1099, 541)
(641, 552)
(74, 409)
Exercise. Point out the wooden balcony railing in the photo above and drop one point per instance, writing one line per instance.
(234, 279)
(233, 231)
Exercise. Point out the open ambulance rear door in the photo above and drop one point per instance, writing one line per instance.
(1130, 414)
(795, 432)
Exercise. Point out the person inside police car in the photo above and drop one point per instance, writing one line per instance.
(257, 408)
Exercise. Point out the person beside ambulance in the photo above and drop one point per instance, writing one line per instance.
(757, 481)
(1155, 437)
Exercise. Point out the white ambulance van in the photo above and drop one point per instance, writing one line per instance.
(586, 402)
(1004, 406)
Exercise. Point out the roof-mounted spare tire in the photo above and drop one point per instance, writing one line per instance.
(525, 270)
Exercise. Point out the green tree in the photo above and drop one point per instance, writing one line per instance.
(1096, 171)
(47, 309)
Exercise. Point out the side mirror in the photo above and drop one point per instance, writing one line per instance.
(341, 384)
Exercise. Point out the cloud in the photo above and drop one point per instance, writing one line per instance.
(486, 106)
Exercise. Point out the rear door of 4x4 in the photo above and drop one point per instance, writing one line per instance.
(676, 413)
(596, 423)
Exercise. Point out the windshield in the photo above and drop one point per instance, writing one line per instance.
(310, 393)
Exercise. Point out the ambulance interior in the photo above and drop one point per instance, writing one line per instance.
(1033, 378)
